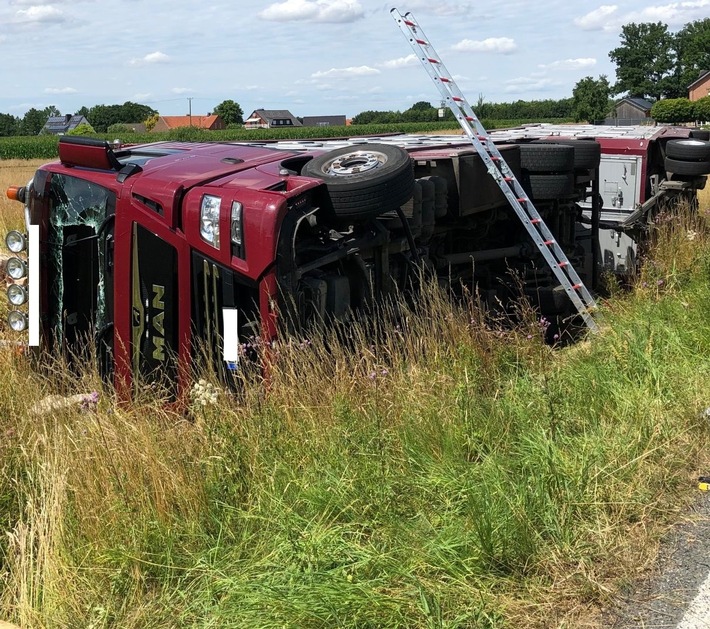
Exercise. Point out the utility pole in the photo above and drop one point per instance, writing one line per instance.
(189, 108)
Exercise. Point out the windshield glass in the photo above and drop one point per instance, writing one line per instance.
(80, 283)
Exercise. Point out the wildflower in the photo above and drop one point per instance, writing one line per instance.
(89, 401)
(691, 235)
(659, 283)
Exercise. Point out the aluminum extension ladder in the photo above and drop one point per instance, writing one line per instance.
(498, 169)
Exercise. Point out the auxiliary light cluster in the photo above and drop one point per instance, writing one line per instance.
(17, 270)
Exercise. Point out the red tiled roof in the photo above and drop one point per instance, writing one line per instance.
(202, 122)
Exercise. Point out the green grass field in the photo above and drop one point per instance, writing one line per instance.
(445, 472)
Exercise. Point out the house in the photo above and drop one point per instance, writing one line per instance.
(59, 125)
(700, 88)
(211, 123)
(631, 110)
(324, 121)
(271, 119)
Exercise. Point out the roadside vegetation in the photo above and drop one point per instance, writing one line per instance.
(441, 470)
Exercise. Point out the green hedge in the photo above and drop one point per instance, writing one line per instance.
(45, 147)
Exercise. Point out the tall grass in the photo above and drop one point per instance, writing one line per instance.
(430, 470)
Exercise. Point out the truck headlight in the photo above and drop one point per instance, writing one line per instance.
(236, 225)
(17, 320)
(16, 268)
(209, 219)
(15, 241)
(16, 294)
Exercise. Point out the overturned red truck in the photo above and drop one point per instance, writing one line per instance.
(153, 252)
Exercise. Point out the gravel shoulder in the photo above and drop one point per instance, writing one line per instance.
(662, 599)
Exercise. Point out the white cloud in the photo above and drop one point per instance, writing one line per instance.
(59, 90)
(570, 64)
(137, 98)
(39, 14)
(528, 84)
(313, 11)
(603, 18)
(150, 58)
(401, 62)
(672, 14)
(441, 8)
(182, 90)
(502, 45)
(340, 73)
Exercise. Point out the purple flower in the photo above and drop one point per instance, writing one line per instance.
(90, 400)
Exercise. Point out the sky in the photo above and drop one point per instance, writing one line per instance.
(312, 57)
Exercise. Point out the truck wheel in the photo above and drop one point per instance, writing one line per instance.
(689, 149)
(546, 187)
(364, 181)
(546, 158)
(587, 153)
(700, 134)
(684, 167)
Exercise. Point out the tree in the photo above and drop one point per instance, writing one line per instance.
(151, 121)
(692, 52)
(673, 110)
(645, 60)
(9, 125)
(82, 129)
(102, 117)
(590, 99)
(421, 111)
(32, 122)
(701, 109)
(230, 112)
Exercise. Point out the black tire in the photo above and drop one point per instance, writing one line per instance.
(587, 153)
(684, 167)
(688, 149)
(546, 158)
(364, 181)
(548, 187)
(700, 134)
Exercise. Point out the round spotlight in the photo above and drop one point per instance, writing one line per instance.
(16, 294)
(16, 268)
(16, 241)
(17, 320)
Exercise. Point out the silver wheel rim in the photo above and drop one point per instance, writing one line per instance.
(355, 162)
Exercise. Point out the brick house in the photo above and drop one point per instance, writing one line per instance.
(700, 88)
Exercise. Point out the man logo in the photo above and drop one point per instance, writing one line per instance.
(158, 323)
